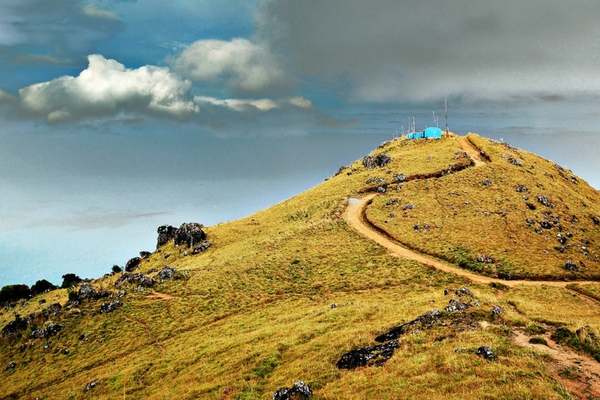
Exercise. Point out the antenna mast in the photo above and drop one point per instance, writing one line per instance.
(446, 107)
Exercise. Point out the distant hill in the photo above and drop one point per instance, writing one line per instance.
(297, 292)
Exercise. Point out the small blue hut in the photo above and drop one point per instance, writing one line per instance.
(428, 133)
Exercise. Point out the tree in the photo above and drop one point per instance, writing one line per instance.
(14, 292)
(116, 269)
(70, 280)
(41, 286)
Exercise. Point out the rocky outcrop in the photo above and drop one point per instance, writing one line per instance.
(486, 352)
(137, 278)
(189, 234)
(132, 264)
(203, 246)
(106, 308)
(425, 320)
(49, 331)
(368, 356)
(299, 391)
(17, 325)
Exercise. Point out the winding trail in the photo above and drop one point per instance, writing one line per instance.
(588, 369)
(355, 216)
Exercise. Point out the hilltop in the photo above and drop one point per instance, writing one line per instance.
(451, 268)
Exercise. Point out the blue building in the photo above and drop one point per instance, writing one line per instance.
(428, 133)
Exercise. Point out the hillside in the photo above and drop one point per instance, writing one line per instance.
(284, 294)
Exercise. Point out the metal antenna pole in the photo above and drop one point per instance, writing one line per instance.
(446, 107)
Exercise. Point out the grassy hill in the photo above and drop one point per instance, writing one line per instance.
(283, 294)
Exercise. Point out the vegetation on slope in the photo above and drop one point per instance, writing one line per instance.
(255, 311)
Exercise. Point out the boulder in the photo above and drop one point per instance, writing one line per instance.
(132, 264)
(10, 365)
(49, 331)
(106, 308)
(189, 234)
(486, 182)
(399, 178)
(596, 220)
(145, 254)
(514, 161)
(138, 278)
(203, 246)
(381, 160)
(570, 266)
(486, 352)
(522, 188)
(543, 200)
(17, 325)
(87, 291)
(496, 311)
(368, 163)
(167, 273)
(368, 356)
(299, 391)
(457, 305)
(165, 233)
(90, 385)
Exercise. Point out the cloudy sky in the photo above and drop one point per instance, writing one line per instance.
(121, 115)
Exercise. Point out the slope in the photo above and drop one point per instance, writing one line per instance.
(255, 312)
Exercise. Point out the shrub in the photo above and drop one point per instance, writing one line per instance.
(70, 280)
(41, 286)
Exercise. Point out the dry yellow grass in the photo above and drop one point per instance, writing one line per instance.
(254, 312)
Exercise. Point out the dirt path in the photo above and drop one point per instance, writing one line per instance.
(579, 373)
(354, 215)
(468, 148)
(159, 296)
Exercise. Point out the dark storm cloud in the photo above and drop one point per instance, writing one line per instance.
(395, 50)
(45, 31)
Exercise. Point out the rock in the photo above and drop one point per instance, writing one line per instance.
(570, 266)
(531, 206)
(145, 254)
(596, 220)
(496, 311)
(368, 162)
(545, 225)
(485, 258)
(371, 180)
(522, 188)
(457, 305)
(381, 189)
(539, 230)
(53, 310)
(446, 292)
(300, 390)
(165, 233)
(90, 385)
(42, 301)
(333, 306)
(167, 273)
(486, 182)
(17, 325)
(561, 239)
(408, 207)
(399, 178)
(189, 234)
(368, 356)
(543, 200)
(424, 321)
(514, 161)
(10, 365)
(203, 246)
(106, 308)
(87, 291)
(138, 278)
(381, 160)
(132, 264)
(464, 291)
(486, 352)
(49, 331)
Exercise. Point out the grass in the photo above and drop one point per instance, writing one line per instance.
(253, 313)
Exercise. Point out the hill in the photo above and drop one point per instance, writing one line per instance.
(297, 292)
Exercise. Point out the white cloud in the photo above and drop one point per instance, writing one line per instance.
(241, 65)
(107, 88)
(249, 105)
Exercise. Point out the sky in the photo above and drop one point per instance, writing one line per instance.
(117, 116)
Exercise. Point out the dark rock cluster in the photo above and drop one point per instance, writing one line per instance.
(132, 264)
(138, 278)
(380, 160)
(49, 331)
(203, 246)
(486, 352)
(17, 325)
(88, 292)
(368, 356)
(167, 273)
(106, 308)
(299, 391)
(189, 234)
